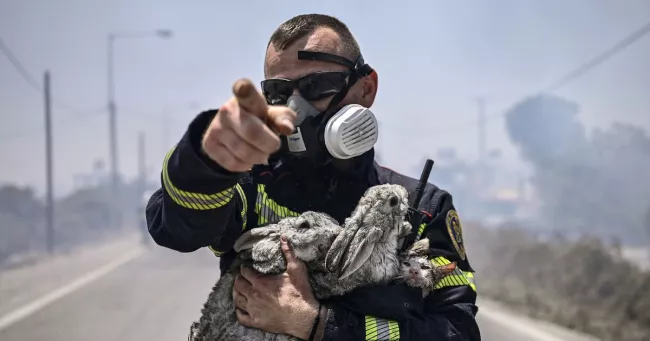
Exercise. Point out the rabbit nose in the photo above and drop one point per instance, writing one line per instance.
(414, 272)
(393, 201)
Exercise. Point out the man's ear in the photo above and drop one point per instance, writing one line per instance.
(370, 85)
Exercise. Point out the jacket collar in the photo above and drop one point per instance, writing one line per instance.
(363, 169)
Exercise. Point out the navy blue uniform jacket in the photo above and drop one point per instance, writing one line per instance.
(201, 205)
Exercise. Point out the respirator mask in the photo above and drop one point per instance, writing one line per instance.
(340, 133)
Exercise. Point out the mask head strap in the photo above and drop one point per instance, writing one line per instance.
(358, 68)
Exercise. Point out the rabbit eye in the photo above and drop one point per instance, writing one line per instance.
(426, 267)
(393, 201)
(305, 225)
(406, 263)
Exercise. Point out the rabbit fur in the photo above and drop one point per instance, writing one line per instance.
(310, 236)
(367, 247)
(338, 259)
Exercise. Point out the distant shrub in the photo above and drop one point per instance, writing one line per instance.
(578, 284)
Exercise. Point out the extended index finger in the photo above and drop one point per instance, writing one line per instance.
(250, 99)
(278, 118)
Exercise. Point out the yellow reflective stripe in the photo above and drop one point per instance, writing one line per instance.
(242, 195)
(371, 328)
(423, 226)
(244, 201)
(378, 329)
(440, 261)
(456, 278)
(215, 251)
(470, 278)
(195, 201)
(268, 211)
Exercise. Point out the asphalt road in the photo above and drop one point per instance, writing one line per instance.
(150, 295)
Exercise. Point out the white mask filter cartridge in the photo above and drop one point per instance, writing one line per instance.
(352, 131)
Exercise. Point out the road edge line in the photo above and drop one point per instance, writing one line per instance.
(494, 311)
(34, 306)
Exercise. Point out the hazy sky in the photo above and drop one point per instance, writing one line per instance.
(433, 59)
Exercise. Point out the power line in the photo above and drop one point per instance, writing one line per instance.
(576, 72)
(19, 66)
(82, 114)
(140, 113)
(36, 85)
(74, 119)
(591, 64)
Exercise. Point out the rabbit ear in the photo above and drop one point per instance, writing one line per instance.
(343, 240)
(338, 249)
(356, 257)
(448, 269)
(251, 237)
(404, 229)
(354, 220)
(420, 248)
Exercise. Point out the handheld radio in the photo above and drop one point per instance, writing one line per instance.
(414, 215)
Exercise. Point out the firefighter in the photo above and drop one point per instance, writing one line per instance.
(305, 143)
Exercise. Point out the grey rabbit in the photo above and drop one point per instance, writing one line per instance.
(367, 247)
(338, 260)
(310, 236)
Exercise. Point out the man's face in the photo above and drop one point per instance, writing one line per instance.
(285, 64)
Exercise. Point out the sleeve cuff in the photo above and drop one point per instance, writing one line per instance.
(331, 328)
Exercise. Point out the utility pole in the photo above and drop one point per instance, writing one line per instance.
(49, 209)
(481, 131)
(116, 212)
(481, 171)
(116, 208)
(167, 121)
(142, 163)
(647, 229)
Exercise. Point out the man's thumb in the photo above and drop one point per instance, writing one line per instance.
(288, 253)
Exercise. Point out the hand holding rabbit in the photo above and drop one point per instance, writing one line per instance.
(280, 304)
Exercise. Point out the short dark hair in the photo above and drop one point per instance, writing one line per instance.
(305, 24)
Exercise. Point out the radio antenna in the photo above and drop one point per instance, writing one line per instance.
(424, 178)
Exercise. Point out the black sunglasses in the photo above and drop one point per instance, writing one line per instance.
(312, 87)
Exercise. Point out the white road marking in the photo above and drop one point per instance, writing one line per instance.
(509, 323)
(488, 311)
(40, 303)
(526, 327)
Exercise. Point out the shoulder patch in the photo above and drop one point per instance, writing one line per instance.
(455, 229)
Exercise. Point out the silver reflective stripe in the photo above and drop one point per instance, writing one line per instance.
(383, 330)
(269, 211)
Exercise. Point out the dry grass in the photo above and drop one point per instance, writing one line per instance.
(579, 284)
